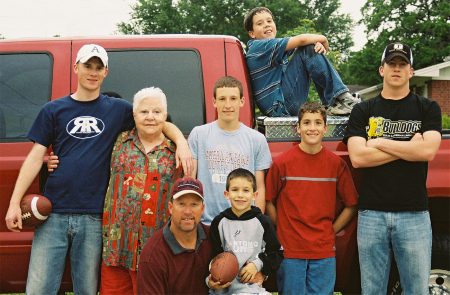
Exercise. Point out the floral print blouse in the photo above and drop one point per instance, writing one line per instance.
(136, 200)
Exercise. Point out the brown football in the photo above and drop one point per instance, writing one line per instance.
(224, 267)
(35, 209)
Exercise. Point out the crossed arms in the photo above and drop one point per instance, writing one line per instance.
(375, 152)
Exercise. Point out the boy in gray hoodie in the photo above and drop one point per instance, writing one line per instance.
(244, 231)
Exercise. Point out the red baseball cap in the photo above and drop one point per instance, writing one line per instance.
(187, 185)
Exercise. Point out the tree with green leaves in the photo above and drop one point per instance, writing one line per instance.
(227, 17)
(422, 24)
(323, 13)
(152, 17)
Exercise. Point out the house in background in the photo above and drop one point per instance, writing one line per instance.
(432, 82)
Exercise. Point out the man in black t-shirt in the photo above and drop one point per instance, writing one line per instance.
(392, 137)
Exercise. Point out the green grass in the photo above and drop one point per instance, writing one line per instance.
(445, 121)
(335, 293)
(69, 293)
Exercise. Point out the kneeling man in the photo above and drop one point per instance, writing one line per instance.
(175, 259)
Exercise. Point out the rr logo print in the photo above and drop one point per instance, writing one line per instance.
(85, 127)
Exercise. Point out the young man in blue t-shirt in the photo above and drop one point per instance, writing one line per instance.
(81, 128)
(224, 145)
(281, 86)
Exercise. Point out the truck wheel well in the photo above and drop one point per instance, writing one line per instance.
(439, 214)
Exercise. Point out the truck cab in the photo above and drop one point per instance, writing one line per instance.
(36, 71)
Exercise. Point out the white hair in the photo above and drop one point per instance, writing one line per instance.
(150, 92)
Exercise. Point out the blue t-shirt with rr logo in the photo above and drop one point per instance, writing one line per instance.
(82, 134)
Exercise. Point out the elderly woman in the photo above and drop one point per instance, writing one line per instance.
(143, 170)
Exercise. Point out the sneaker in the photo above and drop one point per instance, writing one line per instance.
(344, 104)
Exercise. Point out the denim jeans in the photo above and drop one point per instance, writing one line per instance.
(306, 64)
(406, 235)
(76, 235)
(307, 276)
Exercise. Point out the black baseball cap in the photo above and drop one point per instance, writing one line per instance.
(397, 49)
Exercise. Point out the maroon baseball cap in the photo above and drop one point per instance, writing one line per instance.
(187, 185)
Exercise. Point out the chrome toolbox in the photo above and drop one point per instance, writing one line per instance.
(286, 127)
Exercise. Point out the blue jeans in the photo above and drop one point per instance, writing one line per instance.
(80, 236)
(306, 276)
(408, 236)
(306, 64)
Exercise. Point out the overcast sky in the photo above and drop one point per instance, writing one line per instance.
(47, 18)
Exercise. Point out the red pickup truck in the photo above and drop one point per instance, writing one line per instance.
(185, 67)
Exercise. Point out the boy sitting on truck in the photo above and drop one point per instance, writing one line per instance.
(244, 224)
(281, 86)
(305, 206)
(227, 144)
